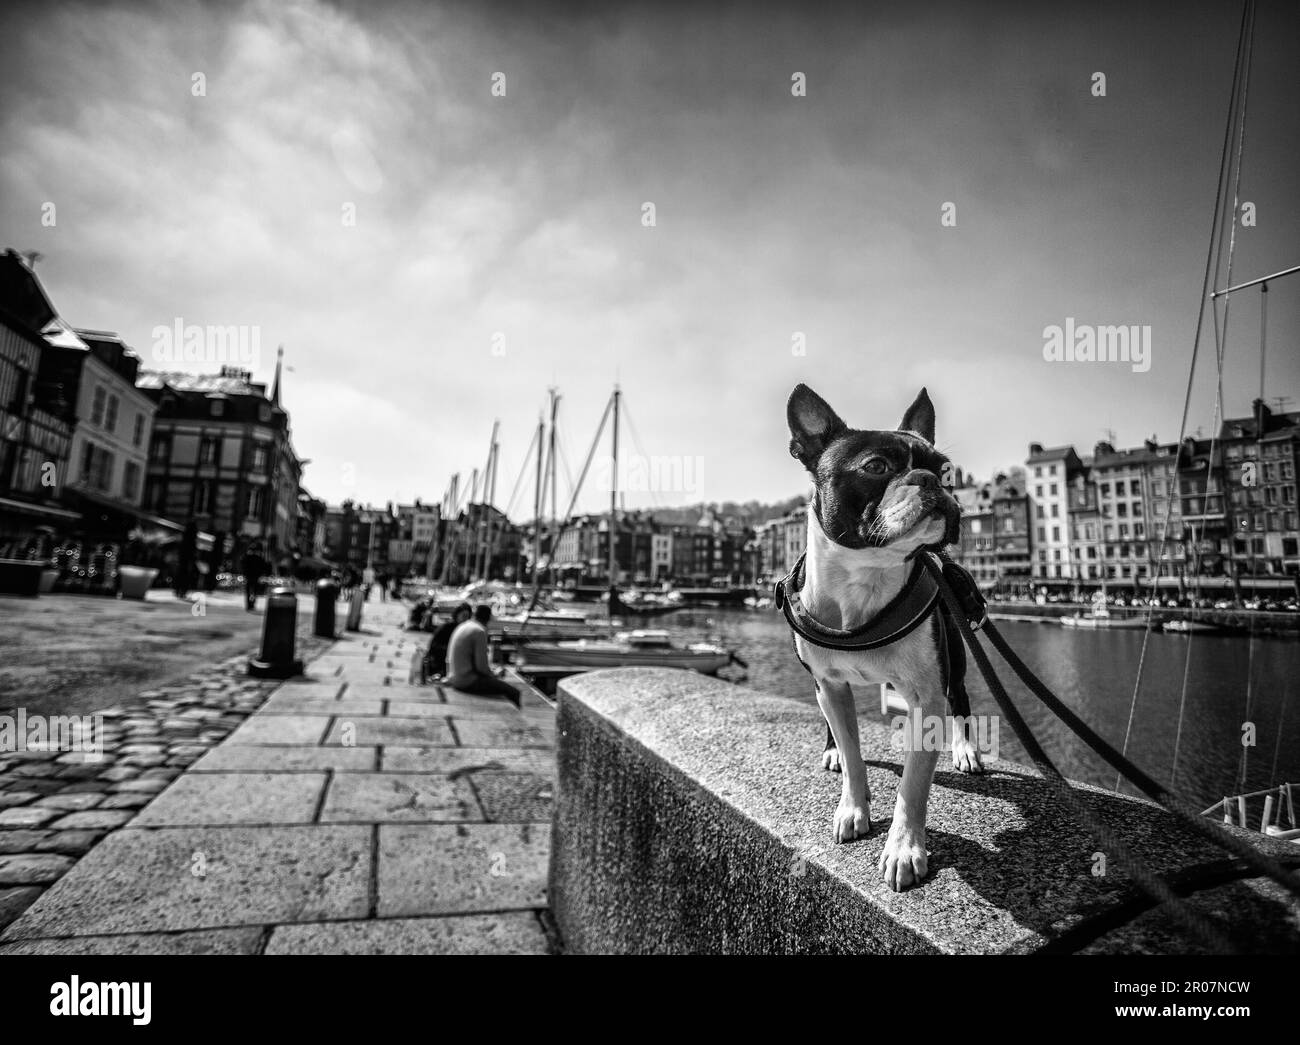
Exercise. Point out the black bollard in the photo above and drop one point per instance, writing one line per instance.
(278, 637)
(327, 594)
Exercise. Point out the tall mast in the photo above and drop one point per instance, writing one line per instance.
(550, 464)
(613, 511)
(490, 489)
(537, 499)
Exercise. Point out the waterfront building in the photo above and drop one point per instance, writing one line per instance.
(413, 544)
(1012, 528)
(1204, 514)
(93, 375)
(976, 547)
(35, 436)
(1261, 456)
(222, 455)
(1050, 472)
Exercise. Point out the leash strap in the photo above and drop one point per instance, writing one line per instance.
(1207, 828)
(1194, 922)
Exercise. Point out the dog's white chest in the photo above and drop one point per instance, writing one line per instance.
(899, 662)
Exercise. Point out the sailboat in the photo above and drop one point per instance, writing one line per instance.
(641, 648)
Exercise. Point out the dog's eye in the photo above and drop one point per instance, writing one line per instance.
(876, 466)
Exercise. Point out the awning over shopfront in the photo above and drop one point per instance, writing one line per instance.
(38, 510)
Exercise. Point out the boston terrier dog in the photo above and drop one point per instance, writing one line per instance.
(878, 503)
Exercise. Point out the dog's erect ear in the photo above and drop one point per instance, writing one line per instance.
(813, 424)
(920, 418)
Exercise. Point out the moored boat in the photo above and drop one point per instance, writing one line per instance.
(639, 648)
(1100, 618)
(1186, 627)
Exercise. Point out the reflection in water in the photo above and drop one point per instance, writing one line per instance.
(1093, 672)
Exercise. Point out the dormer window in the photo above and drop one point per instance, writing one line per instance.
(264, 412)
(218, 407)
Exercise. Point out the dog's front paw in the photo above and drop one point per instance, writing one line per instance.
(904, 859)
(965, 757)
(831, 759)
(852, 820)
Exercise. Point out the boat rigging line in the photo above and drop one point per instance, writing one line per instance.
(1212, 262)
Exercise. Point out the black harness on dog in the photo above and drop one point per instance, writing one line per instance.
(903, 614)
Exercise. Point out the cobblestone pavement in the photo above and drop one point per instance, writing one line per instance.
(351, 812)
(55, 807)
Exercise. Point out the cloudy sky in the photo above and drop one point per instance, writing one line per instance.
(775, 216)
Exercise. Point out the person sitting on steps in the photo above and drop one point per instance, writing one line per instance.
(467, 660)
(435, 660)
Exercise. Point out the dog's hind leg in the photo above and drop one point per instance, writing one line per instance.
(831, 754)
(965, 754)
(853, 814)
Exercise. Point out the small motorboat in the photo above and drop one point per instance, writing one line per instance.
(1100, 617)
(1186, 627)
(639, 648)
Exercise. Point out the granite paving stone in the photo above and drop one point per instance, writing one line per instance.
(22, 840)
(280, 729)
(26, 816)
(477, 733)
(468, 760)
(142, 881)
(94, 819)
(32, 868)
(370, 731)
(236, 798)
(390, 798)
(71, 843)
(16, 899)
(235, 757)
(461, 868)
(71, 800)
(515, 797)
(200, 941)
(515, 932)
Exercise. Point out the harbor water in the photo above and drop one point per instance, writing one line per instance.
(1230, 680)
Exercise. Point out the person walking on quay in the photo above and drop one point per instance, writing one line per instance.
(253, 567)
(367, 581)
(381, 578)
(435, 660)
(215, 559)
(467, 660)
(185, 558)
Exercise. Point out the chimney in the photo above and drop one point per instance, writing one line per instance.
(1102, 448)
(1263, 415)
(1035, 448)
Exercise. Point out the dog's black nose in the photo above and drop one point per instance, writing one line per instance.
(920, 477)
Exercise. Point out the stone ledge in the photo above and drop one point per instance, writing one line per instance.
(693, 816)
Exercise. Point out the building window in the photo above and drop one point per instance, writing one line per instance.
(1056, 511)
(97, 407)
(205, 495)
(110, 417)
(256, 503)
(209, 449)
(130, 481)
(160, 449)
(218, 407)
(261, 457)
(137, 436)
(1056, 534)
